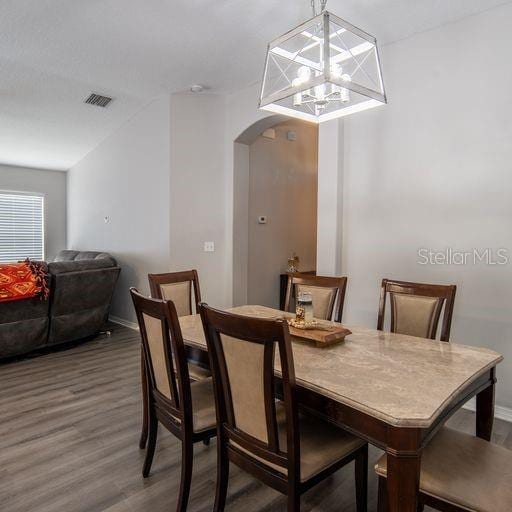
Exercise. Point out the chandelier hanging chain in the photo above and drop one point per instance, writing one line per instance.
(321, 6)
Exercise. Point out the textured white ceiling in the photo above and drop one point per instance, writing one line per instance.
(54, 52)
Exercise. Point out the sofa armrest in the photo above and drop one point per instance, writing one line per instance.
(80, 302)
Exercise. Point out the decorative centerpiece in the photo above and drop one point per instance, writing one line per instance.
(305, 326)
(298, 324)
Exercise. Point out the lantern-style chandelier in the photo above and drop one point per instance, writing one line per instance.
(323, 69)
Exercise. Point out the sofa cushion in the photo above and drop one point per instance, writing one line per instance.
(23, 336)
(19, 310)
(60, 267)
(68, 255)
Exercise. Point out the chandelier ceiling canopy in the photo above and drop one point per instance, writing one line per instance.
(323, 69)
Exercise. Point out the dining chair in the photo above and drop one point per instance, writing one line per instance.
(328, 294)
(287, 450)
(185, 408)
(416, 308)
(459, 473)
(178, 287)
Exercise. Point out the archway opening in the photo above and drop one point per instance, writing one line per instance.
(275, 206)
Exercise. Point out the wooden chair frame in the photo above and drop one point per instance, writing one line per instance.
(444, 292)
(174, 413)
(340, 283)
(268, 333)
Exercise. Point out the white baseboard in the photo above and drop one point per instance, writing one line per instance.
(500, 412)
(125, 323)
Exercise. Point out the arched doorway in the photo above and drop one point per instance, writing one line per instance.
(274, 205)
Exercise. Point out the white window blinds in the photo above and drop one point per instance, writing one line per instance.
(21, 227)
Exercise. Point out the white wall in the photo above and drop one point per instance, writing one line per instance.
(282, 186)
(198, 192)
(53, 185)
(126, 178)
(433, 169)
(240, 224)
(330, 189)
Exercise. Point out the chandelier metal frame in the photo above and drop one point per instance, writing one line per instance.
(322, 75)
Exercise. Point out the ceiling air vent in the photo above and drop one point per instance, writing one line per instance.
(98, 100)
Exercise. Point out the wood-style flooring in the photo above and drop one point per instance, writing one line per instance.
(69, 427)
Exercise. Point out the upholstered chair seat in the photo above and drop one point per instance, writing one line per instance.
(321, 444)
(465, 471)
(203, 405)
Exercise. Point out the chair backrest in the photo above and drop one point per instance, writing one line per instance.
(242, 351)
(165, 358)
(328, 294)
(416, 308)
(177, 286)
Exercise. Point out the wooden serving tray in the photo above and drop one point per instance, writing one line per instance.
(323, 335)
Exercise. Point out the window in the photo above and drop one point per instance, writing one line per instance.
(21, 226)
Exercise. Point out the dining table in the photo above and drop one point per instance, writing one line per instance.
(394, 390)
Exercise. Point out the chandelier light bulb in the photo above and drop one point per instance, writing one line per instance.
(304, 73)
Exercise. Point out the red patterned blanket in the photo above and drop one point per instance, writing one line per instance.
(23, 281)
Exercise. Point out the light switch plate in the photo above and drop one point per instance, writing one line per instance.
(209, 246)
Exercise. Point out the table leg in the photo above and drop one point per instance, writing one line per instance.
(403, 481)
(485, 413)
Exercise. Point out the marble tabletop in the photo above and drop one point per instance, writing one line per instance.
(402, 380)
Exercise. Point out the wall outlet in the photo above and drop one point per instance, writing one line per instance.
(209, 246)
(262, 219)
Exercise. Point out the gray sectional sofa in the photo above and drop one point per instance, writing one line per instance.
(81, 287)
